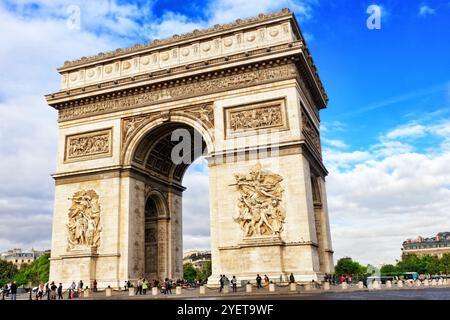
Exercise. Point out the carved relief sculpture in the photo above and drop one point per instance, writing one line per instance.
(263, 115)
(88, 145)
(311, 132)
(260, 203)
(84, 220)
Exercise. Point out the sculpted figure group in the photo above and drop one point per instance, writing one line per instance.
(84, 220)
(259, 202)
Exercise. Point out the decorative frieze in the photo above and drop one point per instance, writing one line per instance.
(149, 96)
(83, 227)
(256, 116)
(88, 145)
(260, 210)
(310, 131)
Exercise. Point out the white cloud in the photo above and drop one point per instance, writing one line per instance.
(415, 130)
(425, 10)
(392, 193)
(334, 143)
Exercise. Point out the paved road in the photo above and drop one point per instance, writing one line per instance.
(422, 293)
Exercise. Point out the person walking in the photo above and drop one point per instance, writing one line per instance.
(258, 281)
(5, 291)
(234, 283)
(291, 278)
(221, 281)
(53, 288)
(94, 285)
(47, 291)
(168, 286)
(266, 280)
(60, 289)
(72, 288)
(144, 286)
(13, 290)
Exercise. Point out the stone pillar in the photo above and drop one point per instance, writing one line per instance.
(433, 282)
(178, 290)
(202, 290)
(154, 291)
(293, 286)
(226, 288)
(326, 286)
(410, 283)
(108, 292)
(248, 287)
(308, 286)
(86, 293)
(418, 283)
(388, 284)
(360, 285)
(344, 285)
(426, 283)
(131, 292)
(400, 283)
(271, 287)
(441, 282)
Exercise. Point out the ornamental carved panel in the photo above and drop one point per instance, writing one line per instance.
(260, 210)
(84, 227)
(253, 117)
(310, 132)
(89, 145)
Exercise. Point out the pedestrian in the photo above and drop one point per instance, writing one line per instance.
(47, 291)
(342, 278)
(94, 285)
(53, 288)
(60, 288)
(72, 288)
(349, 279)
(40, 291)
(168, 286)
(291, 278)
(144, 286)
(258, 281)
(221, 281)
(126, 286)
(13, 290)
(266, 280)
(80, 284)
(5, 291)
(234, 283)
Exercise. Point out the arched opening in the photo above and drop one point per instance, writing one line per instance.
(161, 157)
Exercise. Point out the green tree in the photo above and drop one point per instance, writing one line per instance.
(348, 266)
(444, 263)
(206, 271)
(7, 272)
(35, 272)
(189, 272)
(389, 270)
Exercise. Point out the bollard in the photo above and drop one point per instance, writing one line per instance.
(293, 286)
(131, 292)
(248, 287)
(410, 283)
(388, 284)
(108, 292)
(360, 285)
(226, 289)
(154, 291)
(344, 285)
(326, 286)
(426, 283)
(271, 287)
(400, 283)
(441, 282)
(202, 290)
(308, 286)
(178, 290)
(86, 293)
(418, 283)
(433, 282)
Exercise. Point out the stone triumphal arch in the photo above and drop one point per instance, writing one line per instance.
(250, 95)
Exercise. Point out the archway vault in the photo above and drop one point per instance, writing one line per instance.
(250, 92)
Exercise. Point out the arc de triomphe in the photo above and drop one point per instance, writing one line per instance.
(251, 92)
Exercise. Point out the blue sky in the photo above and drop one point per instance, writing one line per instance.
(386, 131)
